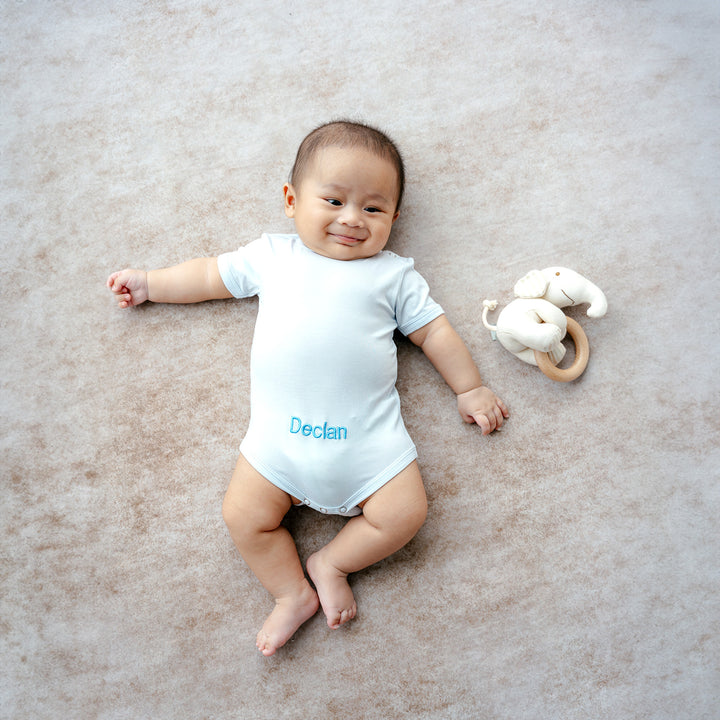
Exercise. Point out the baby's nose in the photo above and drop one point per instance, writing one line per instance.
(351, 216)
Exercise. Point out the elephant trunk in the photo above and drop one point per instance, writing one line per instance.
(598, 302)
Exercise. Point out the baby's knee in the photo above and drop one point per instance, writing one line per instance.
(416, 506)
(408, 519)
(246, 516)
(241, 521)
(233, 511)
(417, 513)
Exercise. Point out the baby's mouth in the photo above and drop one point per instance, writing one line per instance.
(346, 239)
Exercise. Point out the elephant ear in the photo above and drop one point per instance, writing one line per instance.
(533, 285)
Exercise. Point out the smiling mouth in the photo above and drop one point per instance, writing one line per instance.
(346, 239)
(568, 297)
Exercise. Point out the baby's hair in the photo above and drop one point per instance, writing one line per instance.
(348, 133)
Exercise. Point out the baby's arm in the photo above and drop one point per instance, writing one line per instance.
(192, 281)
(448, 353)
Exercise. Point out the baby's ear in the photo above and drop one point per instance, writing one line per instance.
(290, 199)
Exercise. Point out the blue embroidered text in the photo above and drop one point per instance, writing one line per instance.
(321, 432)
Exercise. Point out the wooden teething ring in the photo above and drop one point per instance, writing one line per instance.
(582, 355)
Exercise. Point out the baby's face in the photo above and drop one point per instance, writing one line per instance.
(345, 205)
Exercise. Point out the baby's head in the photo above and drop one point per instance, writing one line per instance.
(348, 134)
(345, 190)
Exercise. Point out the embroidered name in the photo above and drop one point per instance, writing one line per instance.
(321, 432)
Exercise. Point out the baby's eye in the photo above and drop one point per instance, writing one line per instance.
(373, 210)
(334, 202)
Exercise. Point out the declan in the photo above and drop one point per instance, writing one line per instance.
(321, 432)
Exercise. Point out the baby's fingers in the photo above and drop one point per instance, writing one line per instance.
(503, 408)
(499, 416)
(116, 282)
(492, 420)
(111, 281)
(486, 422)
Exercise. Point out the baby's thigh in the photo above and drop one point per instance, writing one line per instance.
(401, 500)
(251, 498)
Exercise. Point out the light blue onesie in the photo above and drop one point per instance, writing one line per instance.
(325, 423)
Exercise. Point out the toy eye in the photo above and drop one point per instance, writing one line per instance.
(557, 273)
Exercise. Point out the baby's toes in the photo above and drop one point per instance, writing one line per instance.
(263, 644)
(343, 616)
(334, 619)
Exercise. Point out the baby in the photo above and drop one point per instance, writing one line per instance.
(325, 428)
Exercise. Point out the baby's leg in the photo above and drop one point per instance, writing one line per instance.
(390, 518)
(253, 509)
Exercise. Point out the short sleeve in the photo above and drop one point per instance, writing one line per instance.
(414, 307)
(242, 270)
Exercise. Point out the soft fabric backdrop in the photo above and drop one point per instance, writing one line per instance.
(569, 565)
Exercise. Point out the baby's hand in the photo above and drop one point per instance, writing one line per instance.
(480, 405)
(130, 287)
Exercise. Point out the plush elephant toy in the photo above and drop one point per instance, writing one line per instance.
(532, 327)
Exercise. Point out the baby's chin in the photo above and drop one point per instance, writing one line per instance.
(338, 247)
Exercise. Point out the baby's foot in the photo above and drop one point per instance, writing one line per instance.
(289, 614)
(336, 597)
